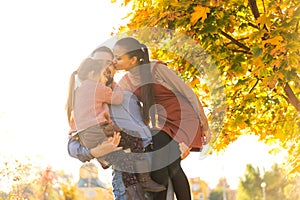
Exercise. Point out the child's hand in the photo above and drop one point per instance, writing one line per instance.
(103, 78)
(109, 73)
(112, 70)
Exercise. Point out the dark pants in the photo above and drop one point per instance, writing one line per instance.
(166, 164)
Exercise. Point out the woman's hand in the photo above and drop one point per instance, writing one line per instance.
(207, 136)
(108, 146)
(184, 149)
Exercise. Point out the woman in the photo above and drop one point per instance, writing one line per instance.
(181, 123)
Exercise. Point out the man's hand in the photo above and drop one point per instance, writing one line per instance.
(109, 128)
(108, 146)
(115, 140)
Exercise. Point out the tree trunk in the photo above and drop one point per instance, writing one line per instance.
(292, 99)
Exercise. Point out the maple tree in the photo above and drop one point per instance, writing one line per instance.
(254, 45)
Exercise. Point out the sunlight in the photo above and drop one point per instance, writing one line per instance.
(42, 42)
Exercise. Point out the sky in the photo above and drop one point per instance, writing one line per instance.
(41, 43)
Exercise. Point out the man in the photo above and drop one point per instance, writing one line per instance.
(127, 116)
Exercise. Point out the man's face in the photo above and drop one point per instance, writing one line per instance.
(107, 58)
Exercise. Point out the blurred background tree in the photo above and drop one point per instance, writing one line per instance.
(221, 191)
(277, 184)
(24, 180)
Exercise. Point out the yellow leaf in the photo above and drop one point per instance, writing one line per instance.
(280, 75)
(290, 12)
(263, 20)
(276, 63)
(250, 96)
(200, 13)
(257, 62)
(194, 82)
(175, 4)
(274, 41)
(278, 50)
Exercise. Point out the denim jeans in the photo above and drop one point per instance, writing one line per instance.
(119, 188)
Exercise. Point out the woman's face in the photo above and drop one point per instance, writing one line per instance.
(121, 60)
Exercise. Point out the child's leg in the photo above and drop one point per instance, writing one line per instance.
(92, 136)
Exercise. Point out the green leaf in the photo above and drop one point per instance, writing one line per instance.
(257, 51)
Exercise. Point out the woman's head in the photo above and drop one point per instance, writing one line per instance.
(129, 53)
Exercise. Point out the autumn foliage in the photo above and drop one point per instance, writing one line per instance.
(254, 46)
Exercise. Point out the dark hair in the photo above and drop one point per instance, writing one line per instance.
(88, 65)
(134, 48)
(102, 49)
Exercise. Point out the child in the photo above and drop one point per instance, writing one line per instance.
(88, 113)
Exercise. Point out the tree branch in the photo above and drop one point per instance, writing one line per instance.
(253, 25)
(263, 2)
(292, 99)
(242, 51)
(235, 41)
(253, 7)
(257, 80)
(255, 11)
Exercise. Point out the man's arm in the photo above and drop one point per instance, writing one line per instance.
(76, 150)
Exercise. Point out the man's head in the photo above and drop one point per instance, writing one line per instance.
(102, 53)
(105, 54)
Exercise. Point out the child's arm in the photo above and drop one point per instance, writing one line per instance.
(117, 96)
(109, 95)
